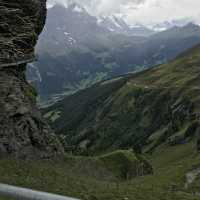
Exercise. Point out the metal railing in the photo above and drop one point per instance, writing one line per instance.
(19, 193)
(18, 61)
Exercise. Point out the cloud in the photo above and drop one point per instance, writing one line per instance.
(114, 6)
(141, 11)
(153, 11)
(101, 7)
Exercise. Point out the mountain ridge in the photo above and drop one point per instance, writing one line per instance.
(75, 52)
(143, 111)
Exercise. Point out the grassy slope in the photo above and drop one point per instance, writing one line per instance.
(155, 100)
(145, 110)
(81, 177)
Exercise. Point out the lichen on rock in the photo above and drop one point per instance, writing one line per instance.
(23, 131)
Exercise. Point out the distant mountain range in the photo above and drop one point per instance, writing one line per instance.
(118, 25)
(77, 50)
(163, 26)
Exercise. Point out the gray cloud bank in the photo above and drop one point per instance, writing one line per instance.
(141, 11)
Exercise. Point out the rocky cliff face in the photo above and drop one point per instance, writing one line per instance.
(22, 130)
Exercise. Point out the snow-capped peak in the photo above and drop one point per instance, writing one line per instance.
(115, 21)
(170, 24)
(136, 25)
(118, 25)
(112, 23)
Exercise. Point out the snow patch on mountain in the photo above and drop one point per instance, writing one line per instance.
(115, 21)
(66, 33)
(170, 24)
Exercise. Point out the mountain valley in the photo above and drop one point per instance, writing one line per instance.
(77, 50)
(140, 111)
(120, 118)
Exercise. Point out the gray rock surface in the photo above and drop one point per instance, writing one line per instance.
(20, 24)
(23, 132)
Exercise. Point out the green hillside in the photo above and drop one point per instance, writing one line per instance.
(155, 112)
(88, 179)
(140, 111)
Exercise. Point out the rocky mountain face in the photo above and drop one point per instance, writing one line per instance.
(77, 50)
(74, 41)
(118, 25)
(163, 26)
(143, 111)
(23, 132)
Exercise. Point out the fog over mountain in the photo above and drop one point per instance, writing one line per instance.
(135, 11)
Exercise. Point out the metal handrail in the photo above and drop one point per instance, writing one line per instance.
(23, 60)
(28, 194)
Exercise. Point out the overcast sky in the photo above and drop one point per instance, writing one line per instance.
(142, 11)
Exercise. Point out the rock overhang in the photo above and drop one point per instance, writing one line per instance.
(20, 24)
